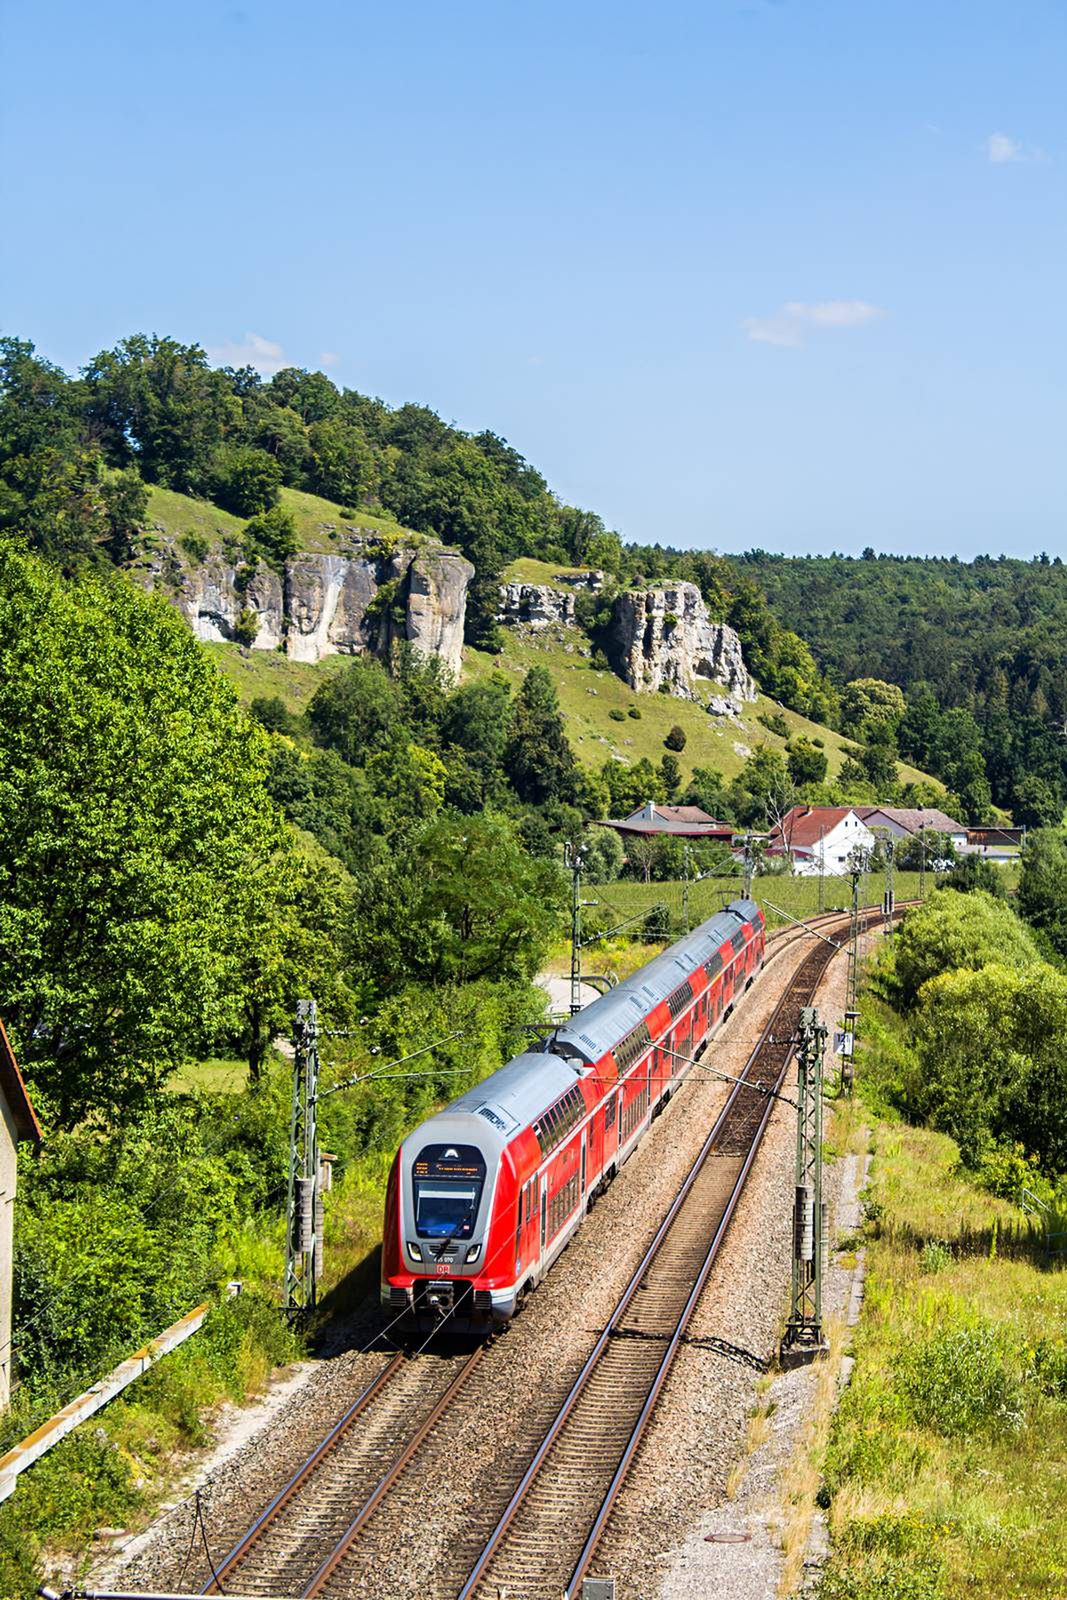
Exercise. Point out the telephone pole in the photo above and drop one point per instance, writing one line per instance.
(748, 866)
(803, 1339)
(303, 1220)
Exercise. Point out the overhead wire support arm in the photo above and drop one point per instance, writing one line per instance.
(796, 921)
(386, 1066)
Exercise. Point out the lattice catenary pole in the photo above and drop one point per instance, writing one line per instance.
(303, 1207)
(572, 859)
(803, 1339)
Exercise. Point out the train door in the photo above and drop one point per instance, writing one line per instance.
(544, 1212)
(583, 1165)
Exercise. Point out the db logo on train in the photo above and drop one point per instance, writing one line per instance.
(442, 1272)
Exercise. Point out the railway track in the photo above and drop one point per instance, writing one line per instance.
(544, 1543)
(310, 1540)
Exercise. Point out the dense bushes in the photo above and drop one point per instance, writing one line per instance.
(956, 930)
(978, 1051)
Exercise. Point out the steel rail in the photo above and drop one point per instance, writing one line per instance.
(809, 974)
(244, 1546)
(366, 1510)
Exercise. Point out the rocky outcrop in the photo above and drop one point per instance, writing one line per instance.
(542, 605)
(436, 605)
(664, 636)
(355, 602)
(534, 605)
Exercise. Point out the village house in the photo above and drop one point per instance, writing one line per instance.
(678, 822)
(904, 822)
(819, 839)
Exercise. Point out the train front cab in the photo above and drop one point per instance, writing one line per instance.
(445, 1252)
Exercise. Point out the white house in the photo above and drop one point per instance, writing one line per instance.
(820, 838)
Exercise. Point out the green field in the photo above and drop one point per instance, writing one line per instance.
(588, 697)
(782, 898)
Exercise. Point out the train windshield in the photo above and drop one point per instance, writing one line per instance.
(448, 1180)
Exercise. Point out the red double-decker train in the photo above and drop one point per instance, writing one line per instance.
(484, 1196)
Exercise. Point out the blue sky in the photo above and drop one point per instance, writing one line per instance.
(732, 274)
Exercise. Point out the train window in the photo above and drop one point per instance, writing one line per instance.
(609, 1114)
(447, 1181)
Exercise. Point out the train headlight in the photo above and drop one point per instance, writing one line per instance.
(414, 1252)
(474, 1252)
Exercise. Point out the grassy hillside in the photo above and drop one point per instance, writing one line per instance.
(588, 698)
(268, 672)
(320, 524)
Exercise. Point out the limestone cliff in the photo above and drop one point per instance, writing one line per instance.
(663, 636)
(356, 601)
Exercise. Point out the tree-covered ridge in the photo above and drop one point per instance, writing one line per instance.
(75, 455)
(979, 648)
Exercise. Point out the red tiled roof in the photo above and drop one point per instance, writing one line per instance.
(14, 1092)
(804, 826)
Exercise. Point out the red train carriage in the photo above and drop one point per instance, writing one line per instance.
(483, 1196)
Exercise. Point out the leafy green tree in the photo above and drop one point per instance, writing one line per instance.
(1035, 803)
(125, 507)
(298, 902)
(806, 764)
(335, 803)
(763, 790)
(870, 702)
(272, 535)
(356, 711)
(877, 760)
(675, 739)
(461, 901)
(157, 404)
(671, 774)
(708, 791)
(538, 759)
(602, 852)
(342, 464)
(272, 713)
(310, 395)
(957, 930)
(971, 873)
(1043, 886)
(246, 480)
(132, 794)
(990, 1044)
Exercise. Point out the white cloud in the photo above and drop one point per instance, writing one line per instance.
(773, 330)
(263, 354)
(535, 361)
(1000, 148)
(329, 358)
(796, 318)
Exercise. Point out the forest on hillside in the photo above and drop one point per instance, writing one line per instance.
(952, 666)
(979, 649)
